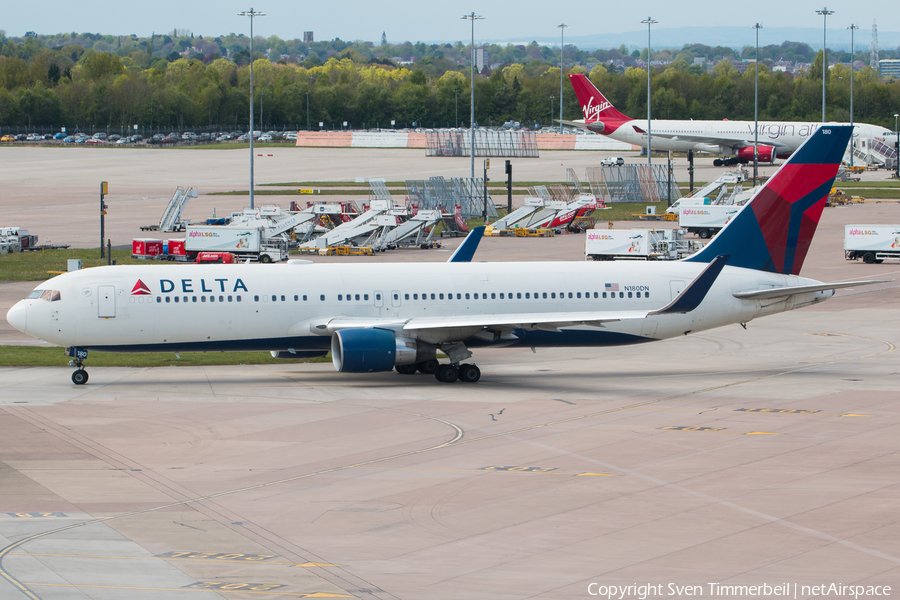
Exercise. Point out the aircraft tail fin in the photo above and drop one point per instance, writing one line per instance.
(774, 230)
(466, 250)
(593, 104)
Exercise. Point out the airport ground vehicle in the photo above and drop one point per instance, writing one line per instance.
(612, 161)
(872, 243)
(637, 244)
(706, 221)
(381, 317)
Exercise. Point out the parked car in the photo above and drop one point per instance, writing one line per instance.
(137, 138)
(114, 138)
(99, 136)
(8, 138)
(47, 136)
(265, 138)
(60, 136)
(612, 161)
(69, 139)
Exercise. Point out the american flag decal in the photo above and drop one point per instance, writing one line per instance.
(612, 287)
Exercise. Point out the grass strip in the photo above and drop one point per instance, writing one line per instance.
(36, 356)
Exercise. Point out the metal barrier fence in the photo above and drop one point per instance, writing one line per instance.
(488, 143)
(632, 183)
(447, 194)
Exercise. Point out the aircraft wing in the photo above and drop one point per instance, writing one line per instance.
(782, 292)
(732, 143)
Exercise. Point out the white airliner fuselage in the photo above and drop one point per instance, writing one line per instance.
(298, 305)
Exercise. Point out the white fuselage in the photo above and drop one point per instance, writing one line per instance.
(280, 307)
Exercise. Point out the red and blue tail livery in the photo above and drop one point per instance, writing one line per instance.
(774, 231)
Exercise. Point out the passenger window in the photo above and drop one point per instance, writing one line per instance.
(176, 299)
(493, 296)
(629, 294)
(304, 297)
(595, 294)
(158, 299)
(459, 296)
(638, 294)
(432, 296)
(212, 298)
(203, 298)
(256, 298)
(397, 296)
(545, 295)
(168, 299)
(194, 298)
(501, 295)
(405, 296)
(220, 298)
(604, 294)
(646, 294)
(570, 294)
(322, 297)
(274, 298)
(340, 297)
(295, 297)
(185, 299)
(229, 298)
(518, 295)
(621, 294)
(415, 296)
(527, 295)
(441, 296)
(467, 295)
(553, 294)
(367, 297)
(578, 295)
(377, 297)
(238, 298)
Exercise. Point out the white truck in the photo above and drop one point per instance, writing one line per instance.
(637, 244)
(706, 221)
(872, 243)
(243, 242)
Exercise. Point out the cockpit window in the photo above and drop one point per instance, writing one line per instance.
(48, 295)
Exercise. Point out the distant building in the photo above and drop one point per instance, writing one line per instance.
(479, 58)
(889, 67)
(308, 37)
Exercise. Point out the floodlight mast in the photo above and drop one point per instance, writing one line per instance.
(852, 29)
(562, 45)
(472, 17)
(824, 12)
(757, 27)
(649, 21)
(251, 13)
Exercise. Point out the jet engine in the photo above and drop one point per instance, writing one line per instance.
(370, 350)
(745, 155)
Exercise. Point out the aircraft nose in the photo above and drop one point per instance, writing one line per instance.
(17, 316)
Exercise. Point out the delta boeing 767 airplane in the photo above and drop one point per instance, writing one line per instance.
(379, 317)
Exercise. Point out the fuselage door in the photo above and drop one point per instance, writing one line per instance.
(106, 301)
(676, 286)
(379, 298)
(395, 298)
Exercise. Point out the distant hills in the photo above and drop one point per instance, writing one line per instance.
(733, 37)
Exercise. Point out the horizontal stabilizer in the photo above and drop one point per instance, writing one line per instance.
(800, 289)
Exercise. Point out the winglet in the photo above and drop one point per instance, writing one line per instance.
(691, 296)
(466, 250)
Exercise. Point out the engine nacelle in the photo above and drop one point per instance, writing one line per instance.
(763, 153)
(370, 350)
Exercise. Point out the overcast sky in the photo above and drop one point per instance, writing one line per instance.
(418, 20)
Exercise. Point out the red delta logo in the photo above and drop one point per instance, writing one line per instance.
(592, 113)
(140, 289)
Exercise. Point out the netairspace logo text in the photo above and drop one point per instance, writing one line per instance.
(719, 590)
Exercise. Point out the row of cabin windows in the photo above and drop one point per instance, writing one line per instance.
(186, 299)
(466, 296)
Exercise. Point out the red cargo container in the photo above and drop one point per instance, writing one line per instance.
(176, 247)
(146, 247)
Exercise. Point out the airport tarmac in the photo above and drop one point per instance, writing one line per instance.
(738, 457)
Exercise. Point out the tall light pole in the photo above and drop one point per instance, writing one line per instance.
(552, 98)
(824, 12)
(456, 97)
(251, 13)
(562, 45)
(472, 17)
(852, 29)
(757, 27)
(649, 21)
(307, 111)
(262, 121)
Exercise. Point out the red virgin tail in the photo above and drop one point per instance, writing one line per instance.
(593, 104)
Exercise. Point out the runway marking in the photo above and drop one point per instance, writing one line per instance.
(217, 556)
(690, 428)
(668, 428)
(35, 515)
(189, 589)
(793, 411)
(235, 587)
(159, 557)
(519, 469)
(315, 564)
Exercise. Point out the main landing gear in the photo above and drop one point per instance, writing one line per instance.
(80, 376)
(447, 373)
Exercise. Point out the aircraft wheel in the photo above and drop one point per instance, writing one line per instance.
(428, 367)
(406, 369)
(79, 377)
(469, 373)
(869, 258)
(447, 373)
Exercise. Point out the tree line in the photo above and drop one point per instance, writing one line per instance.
(76, 87)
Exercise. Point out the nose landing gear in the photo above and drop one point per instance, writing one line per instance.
(80, 376)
